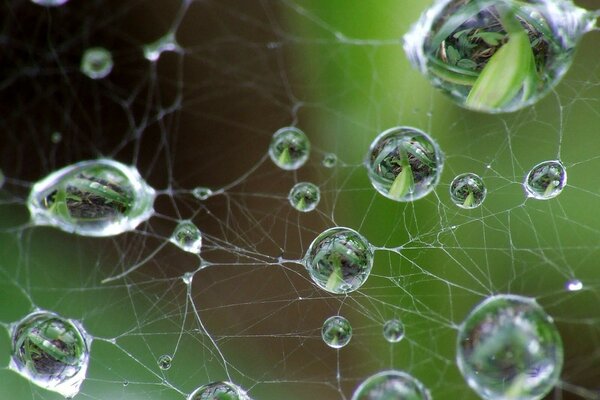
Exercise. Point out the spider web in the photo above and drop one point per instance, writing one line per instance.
(202, 114)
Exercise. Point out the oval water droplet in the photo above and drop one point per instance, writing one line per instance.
(187, 237)
(50, 351)
(92, 198)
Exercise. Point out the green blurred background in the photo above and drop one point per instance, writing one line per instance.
(204, 116)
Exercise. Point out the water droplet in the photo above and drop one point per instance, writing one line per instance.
(304, 196)
(404, 164)
(508, 347)
(51, 352)
(56, 137)
(330, 160)
(336, 332)
(339, 260)
(152, 51)
(125, 383)
(289, 148)
(546, 180)
(574, 285)
(96, 63)
(165, 361)
(49, 3)
(393, 330)
(187, 237)
(187, 278)
(388, 385)
(496, 55)
(202, 193)
(92, 198)
(219, 391)
(468, 191)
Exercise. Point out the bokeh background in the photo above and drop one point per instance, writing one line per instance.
(204, 116)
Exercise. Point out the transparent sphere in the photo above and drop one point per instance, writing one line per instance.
(393, 330)
(404, 164)
(304, 196)
(92, 198)
(219, 391)
(336, 332)
(165, 361)
(509, 348)
(202, 193)
(546, 180)
(339, 260)
(51, 352)
(96, 63)
(289, 148)
(187, 237)
(468, 191)
(496, 55)
(391, 385)
(49, 3)
(329, 160)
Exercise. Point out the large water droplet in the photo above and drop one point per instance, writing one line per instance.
(404, 164)
(92, 198)
(509, 348)
(339, 260)
(391, 385)
(219, 391)
(336, 332)
(546, 180)
(496, 55)
(51, 352)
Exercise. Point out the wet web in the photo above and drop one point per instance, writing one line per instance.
(201, 113)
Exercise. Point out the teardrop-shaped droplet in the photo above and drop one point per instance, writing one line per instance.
(50, 351)
(92, 198)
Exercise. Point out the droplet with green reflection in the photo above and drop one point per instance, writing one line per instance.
(219, 391)
(304, 196)
(336, 332)
(289, 148)
(546, 180)
(468, 191)
(391, 385)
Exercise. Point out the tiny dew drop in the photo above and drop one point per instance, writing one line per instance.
(404, 164)
(219, 391)
(97, 63)
(187, 237)
(546, 180)
(202, 193)
(391, 385)
(574, 285)
(468, 191)
(92, 198)
(289, 148)
(330, 160)
(336, 332)
(152, 51)
(165, 361)
(393, 330)
(51, 352)
(56, 137)
(187, 278)
(339, 260)
(304, 196)
(497, 55)
(508, 347)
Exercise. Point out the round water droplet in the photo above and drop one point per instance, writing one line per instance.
(391, 385)
(187, 237)
(574, 285)
(330, 160)
(404, 164)
(468, 191)
(152, 51)
(336, 332)
(165, 361)
(219, 391)
(202, 193)
(289, 148)
(339, 260)
(546, 180)
(508, 347)
(496, 55)
(49, 3)
(92, 198)
(96, 63)
(393, 330)
(304, 196)
(51, 352)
